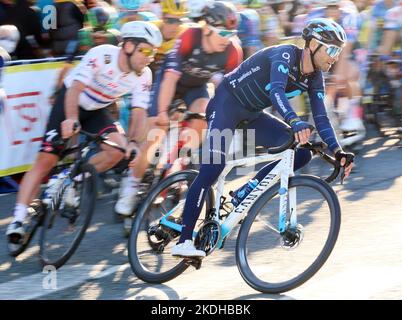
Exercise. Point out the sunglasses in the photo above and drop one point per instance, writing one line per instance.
(332, 50)
(148, 52)
(223, 32)
(172, 20)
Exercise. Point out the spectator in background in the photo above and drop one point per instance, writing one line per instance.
(9, 38)
(70, 19)
(392, 30)
(271, 29)
(377, 22)
(249, 28)
(4, 5)
(99, 29)
(133, 10)
(156, 8)
(21, 14)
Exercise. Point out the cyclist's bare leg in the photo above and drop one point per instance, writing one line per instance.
(138, 167)
(109, 156)
(148, 148)
(31, 182)
(193, 134)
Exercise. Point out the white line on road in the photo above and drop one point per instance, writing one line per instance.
(353, 283)
(42, 284)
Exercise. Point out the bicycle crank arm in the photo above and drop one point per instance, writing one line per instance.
(193, 261)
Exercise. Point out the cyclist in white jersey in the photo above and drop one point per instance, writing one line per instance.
(105, 73)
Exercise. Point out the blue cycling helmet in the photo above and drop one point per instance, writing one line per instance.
(130, 4)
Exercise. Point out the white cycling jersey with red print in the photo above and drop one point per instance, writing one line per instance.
(105, 82)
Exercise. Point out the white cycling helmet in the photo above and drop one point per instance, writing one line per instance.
(195, 7)
(142, 31)
(9, 37)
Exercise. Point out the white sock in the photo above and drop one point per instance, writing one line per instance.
(133, 181)
(130, 185)
(20, 212)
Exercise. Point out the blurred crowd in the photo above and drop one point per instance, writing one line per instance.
(369, 65)
(45, 27)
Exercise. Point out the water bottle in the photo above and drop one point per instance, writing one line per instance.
(240, 194)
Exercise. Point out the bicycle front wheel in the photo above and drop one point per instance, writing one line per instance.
(267, 260)
(65, 226)
(150, 242)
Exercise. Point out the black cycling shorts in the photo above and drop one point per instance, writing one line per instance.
(98, 121)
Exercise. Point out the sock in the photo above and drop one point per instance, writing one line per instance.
(133, 181)
(20, 212)
(130, 184)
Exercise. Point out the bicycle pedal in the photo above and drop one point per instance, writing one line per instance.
(196, 262)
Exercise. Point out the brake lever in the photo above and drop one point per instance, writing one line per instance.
(348, 161)
(342, 175)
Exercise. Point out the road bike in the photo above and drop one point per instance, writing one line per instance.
(289, 223)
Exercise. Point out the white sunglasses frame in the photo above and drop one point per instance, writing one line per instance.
(328, 47)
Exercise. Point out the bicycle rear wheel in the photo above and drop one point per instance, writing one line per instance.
(267, 262)
(150, 243)
(65, 226)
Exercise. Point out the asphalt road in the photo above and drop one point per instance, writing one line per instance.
(365, 264)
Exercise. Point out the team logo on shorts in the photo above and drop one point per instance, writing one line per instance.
(108, 58)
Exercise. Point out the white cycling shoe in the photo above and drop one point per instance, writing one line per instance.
(127, 199)
(15, 232)
(187, 249)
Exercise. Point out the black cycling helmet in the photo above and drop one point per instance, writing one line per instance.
(325, 30)
(221, 14)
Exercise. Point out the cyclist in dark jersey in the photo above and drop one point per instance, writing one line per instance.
(202, 53)
(268, 78)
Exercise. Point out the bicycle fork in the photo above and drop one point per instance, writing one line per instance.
(287, 196)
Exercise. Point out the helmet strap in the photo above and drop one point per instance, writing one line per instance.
(312, 54)
(128, 56)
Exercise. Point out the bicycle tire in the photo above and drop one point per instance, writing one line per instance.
(335, 215)
(139, 270)
(90, 196)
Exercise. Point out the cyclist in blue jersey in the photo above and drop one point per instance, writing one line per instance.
(268, 78)
(249, 31)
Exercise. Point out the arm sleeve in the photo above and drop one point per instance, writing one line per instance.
(141, 93)
(182, 48)
(235, 56)
(321, 120)
(279, 77)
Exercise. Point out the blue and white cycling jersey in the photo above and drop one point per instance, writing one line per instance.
(378, 19)
(271, 77)
(393, 18)
(249, 28)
